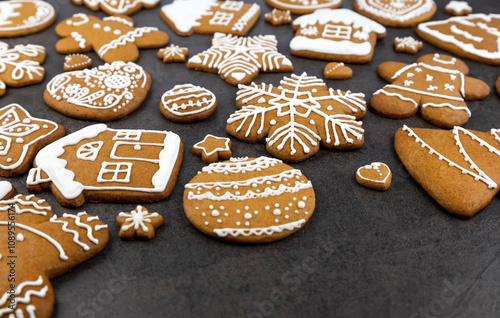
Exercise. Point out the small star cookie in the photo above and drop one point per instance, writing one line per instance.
(458, 8)
(138, 223)
(278, 17)
(76, 62)
(173, 53)
(213, 148)
(407, 45)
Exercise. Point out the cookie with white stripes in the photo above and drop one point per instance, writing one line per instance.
(188, 103)
(23, 17)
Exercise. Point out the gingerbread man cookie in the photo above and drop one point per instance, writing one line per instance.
(115, 7)
(278, 17)
(188, 103)
(113, 38)
(304, 6)
(397, 13)
(46, 246)
(436, 84)
(407, 45)
(297, 117)
(76, 62)
(376, 176)
(173, 53)
(23, 17)
(139, 223)
(212, 148)
(458, 8)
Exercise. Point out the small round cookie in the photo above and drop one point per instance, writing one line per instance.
(376, 176)
(139, 223)
(407, 45)
(213, 148)
(304, 6)
(336, 70)
(249, 200)
(76, 62)
(187, 103)
(400, 13)
(458, 8)
(23, 17)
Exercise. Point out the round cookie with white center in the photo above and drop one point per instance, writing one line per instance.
(399, 13)
(304, 6)
(103, 93)
(249, 200)
(376, 176)
(23, 17)
(187, 103)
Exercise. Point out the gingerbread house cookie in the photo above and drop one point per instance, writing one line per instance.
(304, 6)
(23, 17)
(397, 13)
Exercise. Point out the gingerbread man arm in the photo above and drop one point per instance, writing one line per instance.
(70, 45)
(387, 70)
(475, 88)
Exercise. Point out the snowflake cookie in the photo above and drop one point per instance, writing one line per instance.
(188, 103)
(397, 13)
(212, 149)
(139, 223)
(23, 17)
(278, 17)
(76, 62)
(173, 53)
(304, 6)
(458, 8)
(376, 176)
(407, 45)
(436, 84)
(116, 7)
(297, 117)
(249, 200)
(46, 247)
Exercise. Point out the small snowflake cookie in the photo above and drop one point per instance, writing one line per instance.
(213, 148)
(173, 53)
(239, 59)
(116, 7)
(336, 70)
(23, 17)
(76, 62)
(188, 103)
(297, 117)
(376, 176)
(139, 223)
(436, 84)
(397, 13)
(458, 8)
(249, 200)
(7, 190)
(278, 17)
(304, 6)
(407, 45)
(186, 17)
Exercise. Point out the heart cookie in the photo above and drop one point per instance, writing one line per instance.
(76, 62)
(336, 70)
(376, 176)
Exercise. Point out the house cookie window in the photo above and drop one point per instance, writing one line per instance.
(221, 18)
(128, 135)
(115, 172)
(337, 32)
(232, 5)
(89, 151)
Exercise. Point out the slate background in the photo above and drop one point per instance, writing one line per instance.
(362, 254)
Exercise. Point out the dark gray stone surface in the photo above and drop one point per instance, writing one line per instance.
(362, 254)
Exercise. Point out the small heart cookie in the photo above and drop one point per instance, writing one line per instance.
(376, 176)
(336, 70)
(76, 62)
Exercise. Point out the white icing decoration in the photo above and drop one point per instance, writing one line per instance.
(26, 299)
(172, 51)
(118, 6)
(465, 34)
(64, 228)
(118, 19)
(373, 165)
(22, 67)
(20, 237)
(137, 218)
(188, 99)
(5, 188)
(305, 4)
(80, 39)
(259, 231)
(44, 12)
(458, 6)
(202, 148)
(89, 151)
(399, 10)
(407, 42)
(130, 36)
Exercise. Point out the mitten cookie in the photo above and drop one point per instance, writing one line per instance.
(113, 38)
(298, 116)
(339, 35)
(249, 200)
(100, 164)
(114, 7)
(407, 45)
(336, 70)
(376, 176)
(238, 60)
(76, 62)
(45, 247)
(435, 84)
(458, 8)
(21, 137)
(7, 190)
(213, 148)
(104, 93)
(458, 168)
(399, 13)
(304, 6)
(278, 17)
(23, 17)
(138, 223)
(188, 103)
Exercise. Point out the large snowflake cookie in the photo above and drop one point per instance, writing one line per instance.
(38, 248)
(297, 117)
(138, 223)
(459, 168)
(249, 200)
(397, 13)
(188, 103)
(115, 7)
(23, 17)
(186, 17)
(103, 93)
(100, 164)
(21, 137)
(474, 36)
(436, 84)
(239, 59)
(339, 35)
(304, 6)
(113, 38)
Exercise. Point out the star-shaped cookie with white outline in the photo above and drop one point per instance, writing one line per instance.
(173, 53)
(213, 148)
(139, 223)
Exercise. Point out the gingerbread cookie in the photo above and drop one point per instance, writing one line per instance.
(100, 164)
(188, 103)
(407, 45)
(458, 168)
(113, 38)
(76, 62)
(278, 17)
(339, 35)
(436, 84)
(20, 65)
(249, 200)
(304, 6)
(212, 149)
(23, 17)
(104, 93)
(297, 117)
(376, 176)
(458, 8)
(138, 223)
(497, 85)
(474, 36)
(21, 137)
(41, 247)
(397, 13)
(173, 53)
(186, 17)
(336, 70)
(115, 7)
(7, 190)
(239, 59)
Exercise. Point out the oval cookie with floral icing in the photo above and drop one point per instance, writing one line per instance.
(103, 93)
(249, 200)
(376, 176)
(23, 17)
(187, 103)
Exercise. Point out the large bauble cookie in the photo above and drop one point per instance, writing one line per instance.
(249, 200)
(400, 13)
(23, 17)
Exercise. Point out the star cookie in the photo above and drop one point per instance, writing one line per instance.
(76, 62)
(278, 17)
(376, 176)
(336, 70)
(138, 223)
(173, 53)
(23, 17)
(116, 7)
(397, 13)
(407, 45)
(213, 148)
(458, 8)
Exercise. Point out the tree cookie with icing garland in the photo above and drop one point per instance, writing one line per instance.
(116, 7)
(376, 176)
(188, 103)
(304, 6)
(113, 38)
(297, 117)
(458, 8)
(397, 13)
(436, 84)
(186, 17)
(249, 200)
(459, 168)
(139, 223)
(339, 35)
(100, 164)
(213, 148)
(23, 17)
(46, 247)
(103, 93)
(21, 137)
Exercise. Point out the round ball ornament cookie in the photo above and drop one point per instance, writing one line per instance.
(249, 200)
(187, 103)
